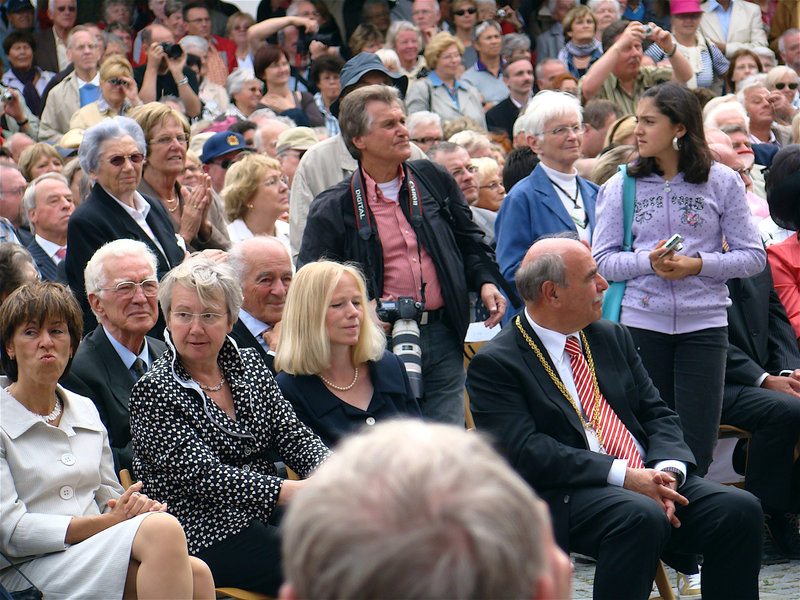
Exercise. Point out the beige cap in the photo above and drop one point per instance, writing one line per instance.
(296, 138)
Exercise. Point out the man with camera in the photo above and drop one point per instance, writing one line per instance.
(407, 224)
(165, 73)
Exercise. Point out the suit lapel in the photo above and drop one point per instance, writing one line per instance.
(550, 197)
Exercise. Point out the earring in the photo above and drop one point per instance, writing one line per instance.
(250, 206)
(675, 143)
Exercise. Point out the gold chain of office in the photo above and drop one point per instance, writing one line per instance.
(595, 422)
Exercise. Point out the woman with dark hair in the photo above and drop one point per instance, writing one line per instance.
(675, 301)
(783, 196)
(271, 65)
(26, 77)
(743, 63)
(16, 268)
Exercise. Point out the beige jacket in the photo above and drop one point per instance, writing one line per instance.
(63, 101)
(745, 29)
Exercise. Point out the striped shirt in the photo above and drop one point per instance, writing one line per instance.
(709, 64)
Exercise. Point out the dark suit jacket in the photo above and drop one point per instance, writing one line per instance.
(99, 374)
(760, 335)
(45, 56)
(514, 399)
(49, 270)
(501, 117)
(99, 220)
(244, 339)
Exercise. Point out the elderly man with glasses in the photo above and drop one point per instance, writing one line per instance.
(122, 287)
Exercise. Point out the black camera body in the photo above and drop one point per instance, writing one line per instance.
(405, 315)
(404, 308)
(172, 51)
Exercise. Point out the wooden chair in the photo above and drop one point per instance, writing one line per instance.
(227, 592)
(729, 431)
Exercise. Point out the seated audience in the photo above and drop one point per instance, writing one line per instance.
(784, 81)
(756, 99)
(112, 153)
(547, 70)
(52, 42)
(551, 41)
(236, 31)
(195, 215)
(743, 64)
(424, 129)
(271, 65)
(442, 516)
(325, 77)
(222, 58)
(441, 91)
(203, 419)
(215, 98)
(15, 144)
(99, 540)
(464, 18)
(332, 359)
(477, 144)
(219, 153)
(268, 132)
(405, 39)
(24, 74)
(265, 271)
(366, 38)
(13, 226)
(518, 76)
(291, 147)
(118, 94)
(121, 284)
(605, 12)
(486, 75)
(49, 206)
(38, 159)
(621, 133)
(244, 90)
(612, 464)
(256, 194)
(582, 48)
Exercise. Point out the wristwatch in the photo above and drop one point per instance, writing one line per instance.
(676, 472)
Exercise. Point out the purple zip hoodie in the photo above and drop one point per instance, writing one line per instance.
(702, 213)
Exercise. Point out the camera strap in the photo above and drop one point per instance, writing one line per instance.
(364, 223)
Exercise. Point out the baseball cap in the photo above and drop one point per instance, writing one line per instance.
(18, 6)
(222, 143)
(358, 66)
(296, 138)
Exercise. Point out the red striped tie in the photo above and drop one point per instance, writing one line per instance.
(617, 440)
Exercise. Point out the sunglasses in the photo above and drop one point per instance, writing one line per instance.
(465, 11)
(780, 85)
(67, 8)
(119, 160)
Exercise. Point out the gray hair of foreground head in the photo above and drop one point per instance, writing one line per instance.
(211, 281)
(94, 275)
(29, 199)
(96, 136)
(265, 243)
(415, 510)
(422, 117)
(548, 105)
(355, 120)
(531, 276)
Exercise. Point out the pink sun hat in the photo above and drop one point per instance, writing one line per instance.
(682, 7)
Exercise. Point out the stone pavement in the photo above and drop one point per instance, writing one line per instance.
(778, 582)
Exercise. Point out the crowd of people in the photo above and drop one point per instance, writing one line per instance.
(246, 239)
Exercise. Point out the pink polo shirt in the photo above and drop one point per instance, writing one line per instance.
(401, 261)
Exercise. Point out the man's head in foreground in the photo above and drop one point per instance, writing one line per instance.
(416, 510)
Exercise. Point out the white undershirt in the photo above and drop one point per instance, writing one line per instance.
(569, 181)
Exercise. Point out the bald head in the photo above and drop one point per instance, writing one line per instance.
(265, 271)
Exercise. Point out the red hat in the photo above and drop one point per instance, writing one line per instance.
(682, 7)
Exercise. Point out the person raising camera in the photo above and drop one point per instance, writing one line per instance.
(165, 73)
(118, 93)
(388, 217)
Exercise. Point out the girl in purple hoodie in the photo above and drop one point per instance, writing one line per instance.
(675, 305)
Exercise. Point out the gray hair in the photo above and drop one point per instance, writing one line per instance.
(471, 141)
(29, 199)
(442, 516)
(531, 276)
(69, 171)
(236, 259)
(238, 79)
(398, 26)
(94, 275)
(78, 29)
(551, 4)
(442, 147)
(595, 4)
(96, 137)
(759, 80)
(294, 8)
(208, 279)
(355, 120)
(763, 51)
(193, 42)
(539, 71)
(548, 105)
(513, 42)
(782, 39)
(422, 117)
(710, 119)
(478, 30)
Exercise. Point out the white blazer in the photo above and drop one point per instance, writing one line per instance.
(745, 29)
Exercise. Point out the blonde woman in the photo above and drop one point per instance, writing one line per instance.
(39, 159)
(118, 93)
(332, 357)
(256, 194)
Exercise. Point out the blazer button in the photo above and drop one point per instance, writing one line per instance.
(566, 499)
(66, 492)
(247, 451)
(68, 459)
(370, 421)
(246, 468)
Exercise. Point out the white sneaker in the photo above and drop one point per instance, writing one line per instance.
(689, 586)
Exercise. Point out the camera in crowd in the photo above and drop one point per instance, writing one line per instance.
(7, 96)
(304, 40)
(172, 51)
(405, 315)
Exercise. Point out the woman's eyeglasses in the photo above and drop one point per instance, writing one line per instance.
(187, 318)
(465, 11)
(119, 160)
(780, 85)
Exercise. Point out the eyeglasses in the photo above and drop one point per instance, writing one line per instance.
(119, 160)
(743, 172)
(199, 20)
(68, 8)
(274, 180)
(459, 172)
(84, 47)
(427, 140)
(465, 11)
(187, 318)
(780, 85)
(166, 140)
(495, 185)
(225, 164)
(17, 190)
(422, 11)
(127, 289)
(564, 130)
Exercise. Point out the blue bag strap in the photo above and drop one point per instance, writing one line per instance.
(628, 196)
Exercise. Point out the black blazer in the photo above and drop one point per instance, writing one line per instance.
(513, 398)
(501, 117)
(99, 374)
(761, 339)
(46, 56)
(244, 339)
(49, 270)
(100, 219)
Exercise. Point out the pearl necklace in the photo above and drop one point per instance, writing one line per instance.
(213, 388)
(54, 414)
(340, 388)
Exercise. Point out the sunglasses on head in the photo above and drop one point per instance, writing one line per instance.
(780, 85)
(465, 11)
(119, 160)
